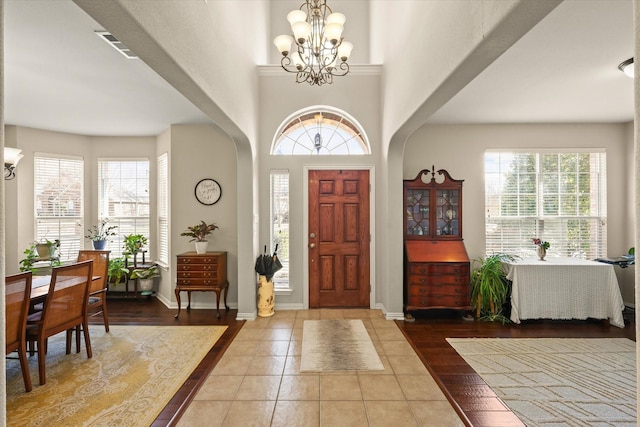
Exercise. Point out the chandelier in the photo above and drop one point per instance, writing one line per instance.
(319, 52)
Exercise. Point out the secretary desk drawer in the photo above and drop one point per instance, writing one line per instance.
(186, 260)
(440, 268)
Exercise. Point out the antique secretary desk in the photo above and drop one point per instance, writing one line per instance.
(436, 264)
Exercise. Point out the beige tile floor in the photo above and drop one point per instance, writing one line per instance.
(258, 381)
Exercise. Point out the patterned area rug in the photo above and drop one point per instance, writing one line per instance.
(134, 373)
(558, 382)
(337, 345)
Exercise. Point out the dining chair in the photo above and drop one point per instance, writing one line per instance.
(98, 287)
(17, 298)
(65, 309)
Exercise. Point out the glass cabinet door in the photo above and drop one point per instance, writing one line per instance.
(447, 212)
(417, 205)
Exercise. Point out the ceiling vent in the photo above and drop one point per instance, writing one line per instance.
(116, 44)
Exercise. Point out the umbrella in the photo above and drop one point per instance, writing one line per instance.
(267, 265)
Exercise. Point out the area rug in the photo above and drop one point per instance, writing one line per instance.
(337, 345)
(134, 373)
(558, 382)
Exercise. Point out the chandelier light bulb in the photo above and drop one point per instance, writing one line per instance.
(283, 43)
(344, 50)
(301, 31)
(296, 16)
(333, 32)
(337, 18)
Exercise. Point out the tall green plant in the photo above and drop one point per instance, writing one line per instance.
(490, 287)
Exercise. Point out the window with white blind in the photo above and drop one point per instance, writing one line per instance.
(123, 198)
(279, 194)
(59, 202)
(559, 197)
(163, 208)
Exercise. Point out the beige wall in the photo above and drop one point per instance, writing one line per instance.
(460, 150)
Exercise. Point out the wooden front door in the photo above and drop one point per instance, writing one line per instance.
(339, 238)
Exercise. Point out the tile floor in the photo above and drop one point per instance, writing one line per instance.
(258, 381)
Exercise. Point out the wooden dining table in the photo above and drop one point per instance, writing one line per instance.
(40, 286)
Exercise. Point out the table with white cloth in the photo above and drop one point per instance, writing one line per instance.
(564, 288)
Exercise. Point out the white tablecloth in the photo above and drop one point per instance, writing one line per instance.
(564, 288)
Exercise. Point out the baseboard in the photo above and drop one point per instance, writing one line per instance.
(389, 315)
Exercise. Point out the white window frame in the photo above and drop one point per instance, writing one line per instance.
(127, 224)
(572, 229)
(163, 209)
(320, 130)
(69, 229)
(279, 206)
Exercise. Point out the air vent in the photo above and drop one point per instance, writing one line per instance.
(116, 44)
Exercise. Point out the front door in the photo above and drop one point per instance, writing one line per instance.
(339, 238)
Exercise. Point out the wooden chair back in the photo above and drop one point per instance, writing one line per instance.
(100, 268)
(66, 303)
(17, 301)
(17, 298)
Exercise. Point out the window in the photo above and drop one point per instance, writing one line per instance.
(123, 197)
(163, 208)
(320, 131)
(59, 202)
(559, 197)
(279, 191)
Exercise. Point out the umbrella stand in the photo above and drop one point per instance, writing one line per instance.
(266, 266)
(266, 297)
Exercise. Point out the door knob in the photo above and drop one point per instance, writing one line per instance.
(312, 245)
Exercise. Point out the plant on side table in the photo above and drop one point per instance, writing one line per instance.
(100, 233)
(41, 251)
(490, 287)
(199, 233)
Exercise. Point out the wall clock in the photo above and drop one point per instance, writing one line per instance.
(208, 191)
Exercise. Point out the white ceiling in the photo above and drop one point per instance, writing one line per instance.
(564, 70)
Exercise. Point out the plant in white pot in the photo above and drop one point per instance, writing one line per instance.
(199, 233)
(145, 276)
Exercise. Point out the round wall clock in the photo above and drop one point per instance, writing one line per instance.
(208, 191)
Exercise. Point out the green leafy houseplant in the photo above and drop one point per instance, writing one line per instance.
(133, 243)
(145, 273)
(117, 270)
(101, 231)
(199, 232)
(40, 251)
(490, 287)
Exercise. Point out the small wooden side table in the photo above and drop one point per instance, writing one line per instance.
(202, 273)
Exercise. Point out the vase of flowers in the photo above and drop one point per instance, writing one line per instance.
(542, 247)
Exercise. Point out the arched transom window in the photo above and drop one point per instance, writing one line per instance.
(320, 131)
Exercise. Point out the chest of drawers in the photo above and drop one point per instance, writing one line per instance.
(202, 272)
(436, 275)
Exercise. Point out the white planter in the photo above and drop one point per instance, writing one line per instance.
(201, 247)
(146, 284)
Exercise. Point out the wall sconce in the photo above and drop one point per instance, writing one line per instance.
(627, 67)
(11, 158)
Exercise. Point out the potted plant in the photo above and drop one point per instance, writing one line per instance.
(133, 243)
(100, 233)
(490, 287)
(145, 276)
(40, 251)
(199, 233)
(117, 270)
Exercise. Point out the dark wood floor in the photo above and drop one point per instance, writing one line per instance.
(474, 401)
